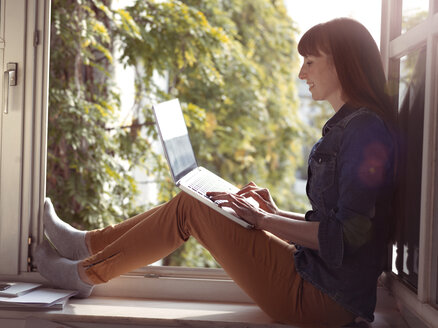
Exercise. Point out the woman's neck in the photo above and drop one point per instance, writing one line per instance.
(338, 105)
(336, 101)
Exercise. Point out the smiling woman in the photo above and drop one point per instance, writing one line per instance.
(350, 51)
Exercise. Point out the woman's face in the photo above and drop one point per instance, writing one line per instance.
(322, 79)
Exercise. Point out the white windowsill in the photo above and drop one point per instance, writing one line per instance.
(151, 313)
(210, 298)
(136, 312)
(187, 302)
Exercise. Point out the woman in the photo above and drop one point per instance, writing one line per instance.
(328, 275)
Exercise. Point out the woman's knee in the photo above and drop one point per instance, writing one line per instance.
(186, 202)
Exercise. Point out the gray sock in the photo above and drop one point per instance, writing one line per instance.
(69, 241)
(61, 272)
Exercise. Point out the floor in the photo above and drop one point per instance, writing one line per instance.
(387, 313)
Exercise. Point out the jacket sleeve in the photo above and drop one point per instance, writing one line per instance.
(364, 167)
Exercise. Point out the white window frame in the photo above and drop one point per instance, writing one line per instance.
(395, 45)
(22, 129)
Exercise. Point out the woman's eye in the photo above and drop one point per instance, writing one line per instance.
(309, 63)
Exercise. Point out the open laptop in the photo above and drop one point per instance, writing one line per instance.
(187, 175)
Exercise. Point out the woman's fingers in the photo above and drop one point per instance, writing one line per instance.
(248, 187)
(239, 204)
(263, 198)
(260, 199)
(216, 195)
(230, 200)
(223, 196)
(252, 187)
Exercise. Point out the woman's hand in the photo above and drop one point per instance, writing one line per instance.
(261, 195)
(243, 208)
(267, 216)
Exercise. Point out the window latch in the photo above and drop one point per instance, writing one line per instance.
(11, 76)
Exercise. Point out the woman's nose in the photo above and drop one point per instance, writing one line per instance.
(302, 73)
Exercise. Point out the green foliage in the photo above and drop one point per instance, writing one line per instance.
(408, 63)
(232, 64)
(88, 163)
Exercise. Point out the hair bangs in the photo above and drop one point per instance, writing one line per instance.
(314, 42)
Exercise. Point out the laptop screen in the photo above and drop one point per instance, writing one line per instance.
(175, 138)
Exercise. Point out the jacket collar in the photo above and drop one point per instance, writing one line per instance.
(343, 112)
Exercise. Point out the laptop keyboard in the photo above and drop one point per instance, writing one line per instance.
(203, 183)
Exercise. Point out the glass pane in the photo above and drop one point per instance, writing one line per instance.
(94, 144)
(414, 12)
(411, 115)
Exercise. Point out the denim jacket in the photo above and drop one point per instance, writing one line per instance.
(350, 187)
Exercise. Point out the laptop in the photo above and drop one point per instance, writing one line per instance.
(187, 175)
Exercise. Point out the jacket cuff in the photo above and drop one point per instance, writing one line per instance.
(308, 215)
(331, 241)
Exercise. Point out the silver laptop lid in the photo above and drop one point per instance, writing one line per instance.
(175, 138)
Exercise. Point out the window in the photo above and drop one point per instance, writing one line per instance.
(23, 169)
(227, 114)
(409, 49)
(22, 151)
(23, 165)
(414, 12)
(411, 118)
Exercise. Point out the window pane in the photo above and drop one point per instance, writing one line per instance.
(411, 114)
(414, 12)
(94, 145)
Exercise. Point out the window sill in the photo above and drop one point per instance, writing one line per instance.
(115, 312)
(173, 302)
(137, 312)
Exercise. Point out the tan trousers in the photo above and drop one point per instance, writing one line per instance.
(260, 263)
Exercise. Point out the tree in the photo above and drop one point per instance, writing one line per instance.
(231, 63)
(85, 173)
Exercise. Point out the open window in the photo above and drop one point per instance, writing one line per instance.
(25, 40)
(24, 57)
(409, 48)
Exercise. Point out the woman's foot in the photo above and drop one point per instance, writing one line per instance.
(68, 241)
(60, 271)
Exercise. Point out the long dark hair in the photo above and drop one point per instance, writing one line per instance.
(357, 62)
(360, 71)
